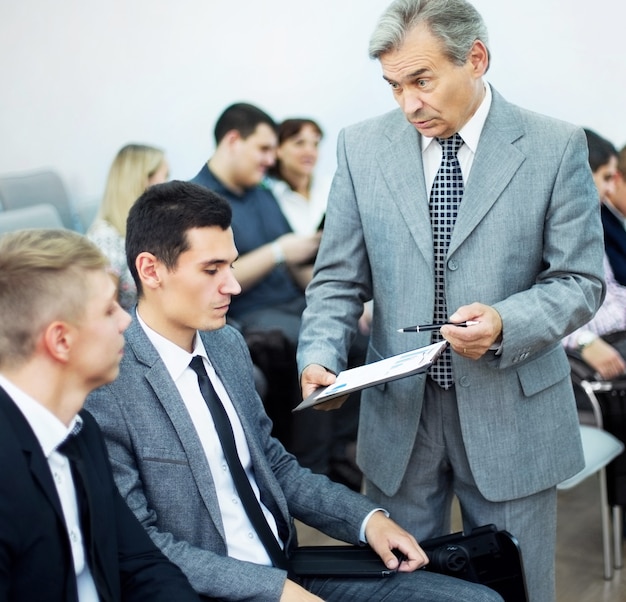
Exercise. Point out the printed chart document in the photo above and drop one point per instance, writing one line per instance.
(391, 368)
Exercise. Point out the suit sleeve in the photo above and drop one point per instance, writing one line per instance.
(342, 280)
(311, 498)
(570, 288)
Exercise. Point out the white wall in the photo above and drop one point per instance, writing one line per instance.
(80, 78)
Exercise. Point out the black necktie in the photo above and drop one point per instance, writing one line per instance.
(445, 197)
(227, 439)
(70, 449)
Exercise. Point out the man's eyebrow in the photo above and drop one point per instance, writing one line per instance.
(410, 76)
(211, 262)
(217, 261)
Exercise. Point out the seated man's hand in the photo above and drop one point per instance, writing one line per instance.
(384, 535)
(604, 359)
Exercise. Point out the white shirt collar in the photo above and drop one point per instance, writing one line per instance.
(472, 130)
(175, 358)
(48, 429)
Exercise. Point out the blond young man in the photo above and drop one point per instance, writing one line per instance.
(66, 535)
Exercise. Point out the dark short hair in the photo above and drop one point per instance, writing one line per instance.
(242, 117)
(160, 218)
(292, 127)
(600, 150)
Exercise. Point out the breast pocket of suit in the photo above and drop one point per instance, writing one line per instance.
(166, 476)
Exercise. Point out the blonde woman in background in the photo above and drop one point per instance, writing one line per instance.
(135, 168)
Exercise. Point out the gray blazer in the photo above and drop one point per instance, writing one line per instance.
(527, 240)
(162, 472)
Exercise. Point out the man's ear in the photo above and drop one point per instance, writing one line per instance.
(232, 137)
(479, 58)
(57, 339)
(148, 269)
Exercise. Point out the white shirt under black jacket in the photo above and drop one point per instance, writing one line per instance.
(50, 433)
(242, 540)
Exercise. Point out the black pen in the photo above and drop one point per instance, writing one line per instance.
(427, 327)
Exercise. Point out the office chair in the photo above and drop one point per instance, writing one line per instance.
(603, 449)
(43, 215)
(37, 187)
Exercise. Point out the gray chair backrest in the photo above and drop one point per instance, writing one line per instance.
(43, 215)
(87, 211)
(35, 188)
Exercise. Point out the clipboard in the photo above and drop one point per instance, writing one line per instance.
(402, 365)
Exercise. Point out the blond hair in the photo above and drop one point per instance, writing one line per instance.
(42, 279)
(128, 178)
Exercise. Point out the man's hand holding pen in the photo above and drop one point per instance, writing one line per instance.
(475, 340)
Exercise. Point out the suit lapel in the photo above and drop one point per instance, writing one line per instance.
(168, 396)
(33, 454)
(495, 163)
(400, 162)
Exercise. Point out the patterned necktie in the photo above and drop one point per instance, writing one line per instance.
(445, 197)
(242, 483)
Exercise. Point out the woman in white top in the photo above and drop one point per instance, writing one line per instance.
(135, 167)
(301, 195)
(303, 198)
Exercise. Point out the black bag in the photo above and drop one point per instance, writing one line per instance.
(486, 556)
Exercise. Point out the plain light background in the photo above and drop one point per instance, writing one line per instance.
(81, 78)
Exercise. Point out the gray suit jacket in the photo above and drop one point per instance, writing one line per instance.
(162, 472)
(527, 241)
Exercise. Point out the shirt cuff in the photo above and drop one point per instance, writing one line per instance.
(362, 537)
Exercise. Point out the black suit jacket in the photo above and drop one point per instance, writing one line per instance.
(35, 555)
(615, 244)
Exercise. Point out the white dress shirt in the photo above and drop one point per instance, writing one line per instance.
(50, 433)
(470, 132)
(611, 317)
(242, 540)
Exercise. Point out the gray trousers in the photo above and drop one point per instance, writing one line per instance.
(439, 470)
(418, 586)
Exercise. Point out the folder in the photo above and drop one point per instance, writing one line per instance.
(402, 365)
